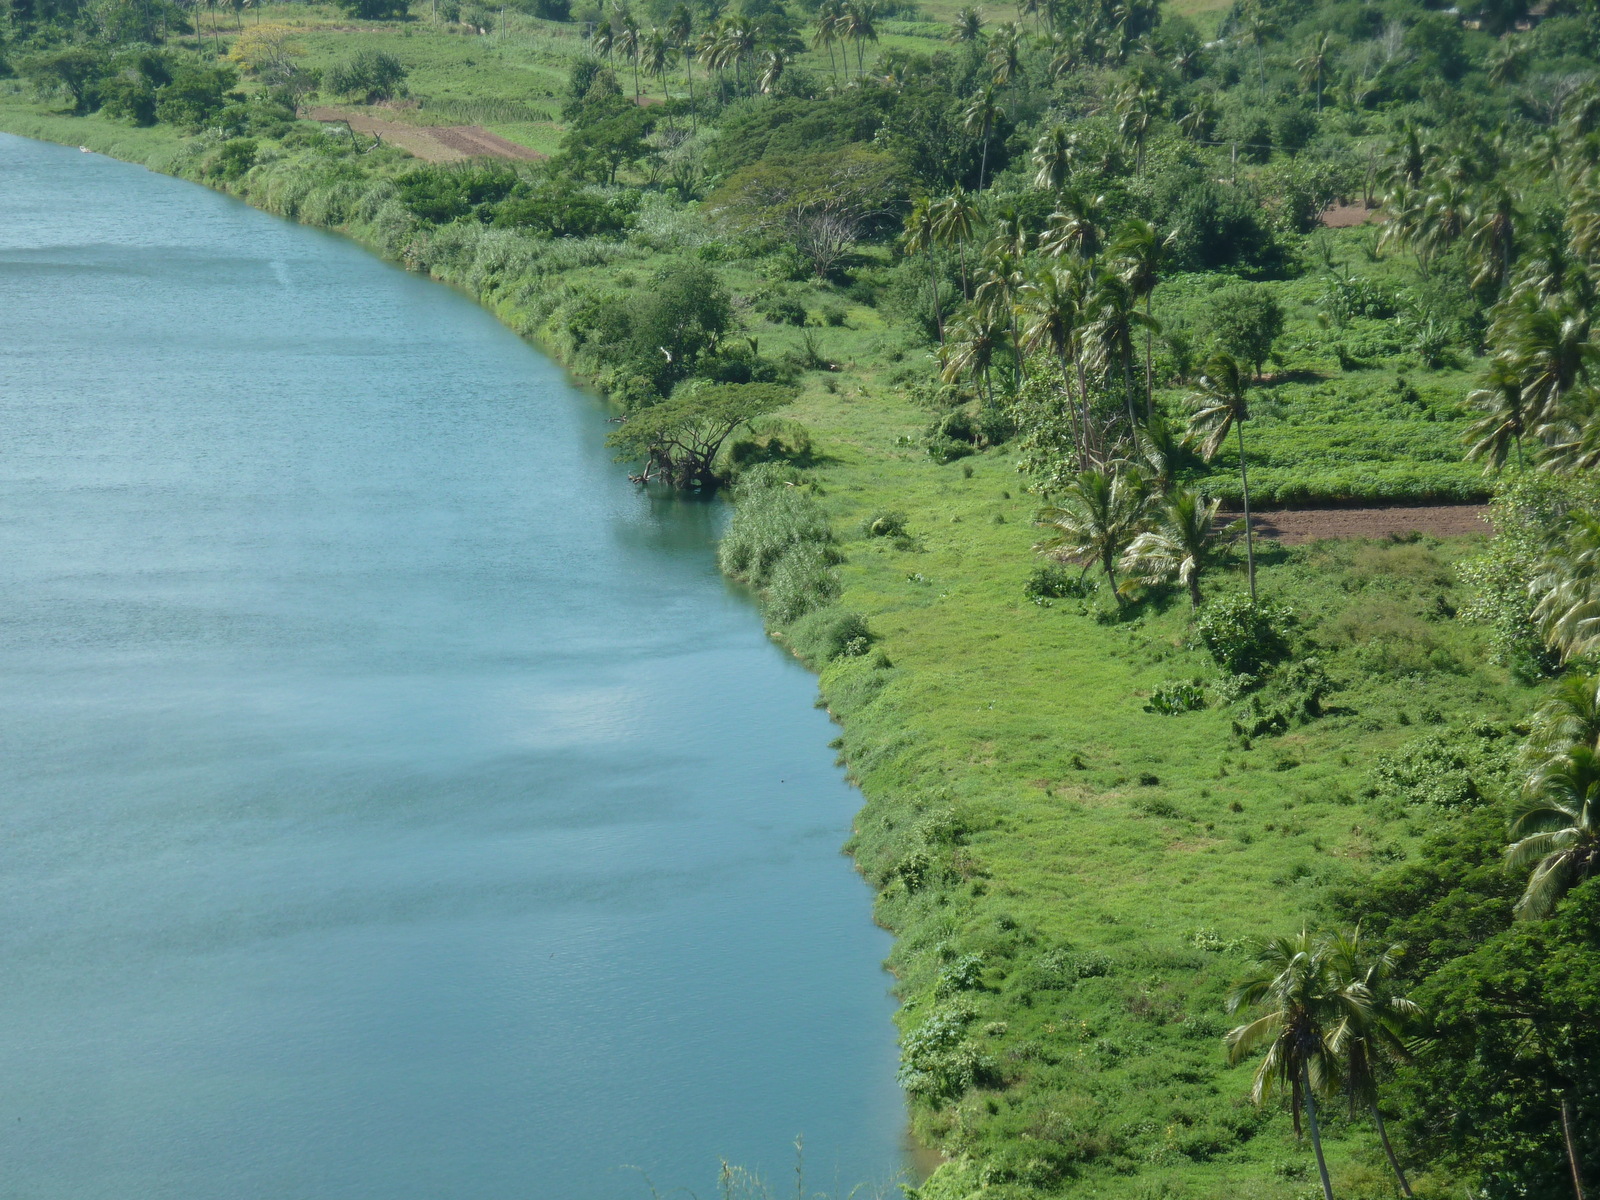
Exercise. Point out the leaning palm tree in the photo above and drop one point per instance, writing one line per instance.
(773, 64)
(1557, 829)
(1371, 1032)
(1096, 519)
(1181, 543)
(1293, 983)
(1218, 407)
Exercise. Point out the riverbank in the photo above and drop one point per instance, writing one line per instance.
(1071, 877)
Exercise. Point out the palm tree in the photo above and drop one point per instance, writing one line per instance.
(1139, 252)
(1371, 1031)
(1114, 319)
(772, 67)
(603, 40)
(657, 56)
(1005, 54)
(979, 119)
(630, 42)
(1505, 415)
(1258, 29)
(1053, 307)
(1196, 123)
(680, 28)
(1492, 239)
(955, 222)
(920, 236)
(968, 27)
(860, 26)
(997, 294)
(1313, 65)
(1557, 829)
(1302, 1003)
(1136, 112)
(971, 349)
(829, 25)
(1571, 716)
(1096, 519)
(1076, 227)
(1179, 546)
(1220, 406)
(1160, 448)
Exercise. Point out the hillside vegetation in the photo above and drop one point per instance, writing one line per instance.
(984, 318)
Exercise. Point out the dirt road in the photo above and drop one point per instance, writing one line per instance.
(432, 143)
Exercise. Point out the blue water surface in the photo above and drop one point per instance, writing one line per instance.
(394, 802)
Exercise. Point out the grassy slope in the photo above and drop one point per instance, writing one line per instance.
(1024, 725)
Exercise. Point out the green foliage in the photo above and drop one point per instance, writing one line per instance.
(1177, 696)
(1246, 321)
(196, 96)
(1053, 581)
(826, 634)
(377, 10)
(1242, 636)
(370, 75)
(440, 194)
(1453, 769)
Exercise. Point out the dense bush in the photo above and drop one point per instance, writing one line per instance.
(1242, 635)
(371, 75)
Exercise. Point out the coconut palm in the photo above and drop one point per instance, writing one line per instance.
(968, 27)
(1313, 64)
(1052, 305)
(970, 352)
(1368, 1032)
(1098, 516)
(955, 223)
(978, 119)
(1077, 227)
(630, 41)
(1113, 325)
(1569, 717)
(920, 238)
(1258, 29)
(829, 27)
(1179, 546)
(1160, 449)
(1567, 588)
(1066, 53)
(1138, 253)
(860, 27)
(603, 40)
(1557, 829)
(1216, 408)
(1505, 415)
(680, 28)
(1492, 239)
(1005, 54)
(1197, 122)
(772, 68)
(1302, 1002)
(656, 56)
(1053, 156)
(997, 293)
(1136, 111)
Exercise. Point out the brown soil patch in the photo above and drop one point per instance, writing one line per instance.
(1292, 527)
(1347, 216)
(432, 143)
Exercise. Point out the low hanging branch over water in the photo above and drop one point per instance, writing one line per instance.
(679, 439)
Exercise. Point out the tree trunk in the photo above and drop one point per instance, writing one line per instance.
(1107, 561)
(983, 163)
(1572, 1148)
(1383, 1136)
(1316, 1134)
(1194, 602)
(688, 70)
(1149, 353)
(1249, 540)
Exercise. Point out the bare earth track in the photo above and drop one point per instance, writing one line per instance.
(432, 143)
(1295, 526)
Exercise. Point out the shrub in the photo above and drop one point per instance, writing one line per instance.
(937, 1060)
(962, 975)
(371, 75)
(1243, 636)
(827, 634)
(783, 310)
(1053, 581)
(1177, 696)
(890, 524)
(766, 525)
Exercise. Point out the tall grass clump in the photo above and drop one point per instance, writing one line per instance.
(779, 542)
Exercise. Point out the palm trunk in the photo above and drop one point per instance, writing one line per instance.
(1316, 1134)
(1383, 1136)
(1149, 352)
(1194, 602)
(1249, 539)
(983, 163)
(1107, 561)
(1078, 435)
(933, 279)
(688, 70)
(1572, 1148)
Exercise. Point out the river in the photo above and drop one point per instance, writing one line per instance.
(394, 801)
